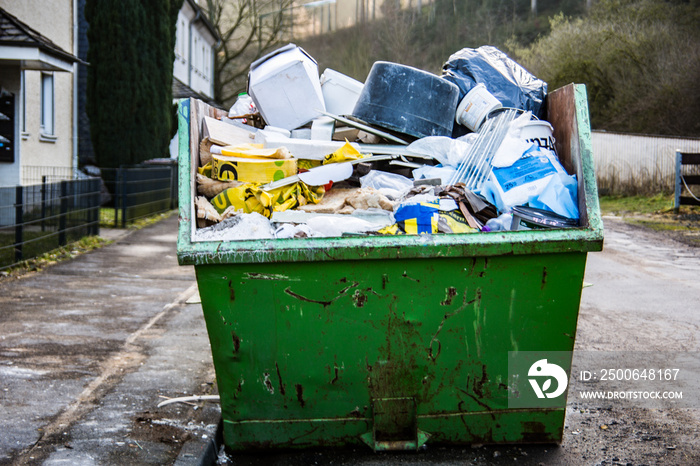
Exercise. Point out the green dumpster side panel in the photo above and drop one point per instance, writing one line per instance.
(316, 345)
(390, 341)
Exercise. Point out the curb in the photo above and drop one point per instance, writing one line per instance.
(202, 452)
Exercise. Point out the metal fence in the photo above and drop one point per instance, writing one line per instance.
(37, 174)
(141, 191)
(637, 164)
(38, 218)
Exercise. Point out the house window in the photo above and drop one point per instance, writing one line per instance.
(47, 104)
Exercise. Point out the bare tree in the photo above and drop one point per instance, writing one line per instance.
(248, 29)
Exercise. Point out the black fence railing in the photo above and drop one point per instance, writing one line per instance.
(141, 191)
(38, 218)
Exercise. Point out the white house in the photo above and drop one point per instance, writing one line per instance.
(193, 69)
(38, 99)
(195, 41)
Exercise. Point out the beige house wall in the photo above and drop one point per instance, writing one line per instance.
(54, 20)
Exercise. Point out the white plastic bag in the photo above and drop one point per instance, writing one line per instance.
(560, 196)
(525, 179)
(389, 184)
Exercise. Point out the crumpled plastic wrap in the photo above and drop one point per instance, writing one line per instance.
(505, 79)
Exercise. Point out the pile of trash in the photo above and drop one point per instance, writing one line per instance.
(406, 152)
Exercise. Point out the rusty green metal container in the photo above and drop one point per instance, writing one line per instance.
(390, 341)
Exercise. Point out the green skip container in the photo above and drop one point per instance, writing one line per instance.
(389, 341)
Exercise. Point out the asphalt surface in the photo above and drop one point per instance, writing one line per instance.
(89, 347)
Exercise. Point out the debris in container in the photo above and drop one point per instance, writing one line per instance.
(210, 188)
(510, 83)
(437, 216)
(340, 92)
(559, 196)
(322, 128)
(339, 225)
(242, 107)
(285, 87)
(238, 227)
(346, 201)
(206, 213)
(250, 197)
(288, 230)
(225, 134)
(528, 218)
(407, 100)
(251, 169)
(334, 156)
(251, 150)
(390, 184)
(514, 185)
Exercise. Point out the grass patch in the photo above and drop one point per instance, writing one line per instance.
(656, 213)
(640, 205)
(107, 219)
(73, 249)
(69, 251)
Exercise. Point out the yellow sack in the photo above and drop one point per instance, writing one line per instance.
(347, 153)
(255, 151)
(250, 198)
(253, 170)
(205, 170)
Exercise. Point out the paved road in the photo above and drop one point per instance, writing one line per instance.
(89, 347)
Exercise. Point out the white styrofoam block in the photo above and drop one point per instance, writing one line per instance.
(322, 128)
(306, 148)
(340, 92)
(286, 88)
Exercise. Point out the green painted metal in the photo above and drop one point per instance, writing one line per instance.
(388, 341)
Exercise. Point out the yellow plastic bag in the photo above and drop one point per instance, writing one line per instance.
(250, 198)
(255, 151)
(254, 170)
(347, 153)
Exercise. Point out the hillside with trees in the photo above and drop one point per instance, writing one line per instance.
(640, 59)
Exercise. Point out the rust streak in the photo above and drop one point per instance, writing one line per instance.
(308, 300)
(323, 303)
(279, 377)
(335, 378)
(300, 394)
(268, 384)
(465, 303)
(451, 293)
(236, 342)
(544, 278)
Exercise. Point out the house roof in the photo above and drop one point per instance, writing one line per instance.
(21, 43)
(202, 17)
(183, 91)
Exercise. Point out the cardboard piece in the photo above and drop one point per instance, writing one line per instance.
(224, 134)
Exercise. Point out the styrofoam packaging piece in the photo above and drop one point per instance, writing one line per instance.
(286, 88)
(340, 92)
(322, 129)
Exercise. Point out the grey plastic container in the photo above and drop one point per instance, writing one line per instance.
(407, 100)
